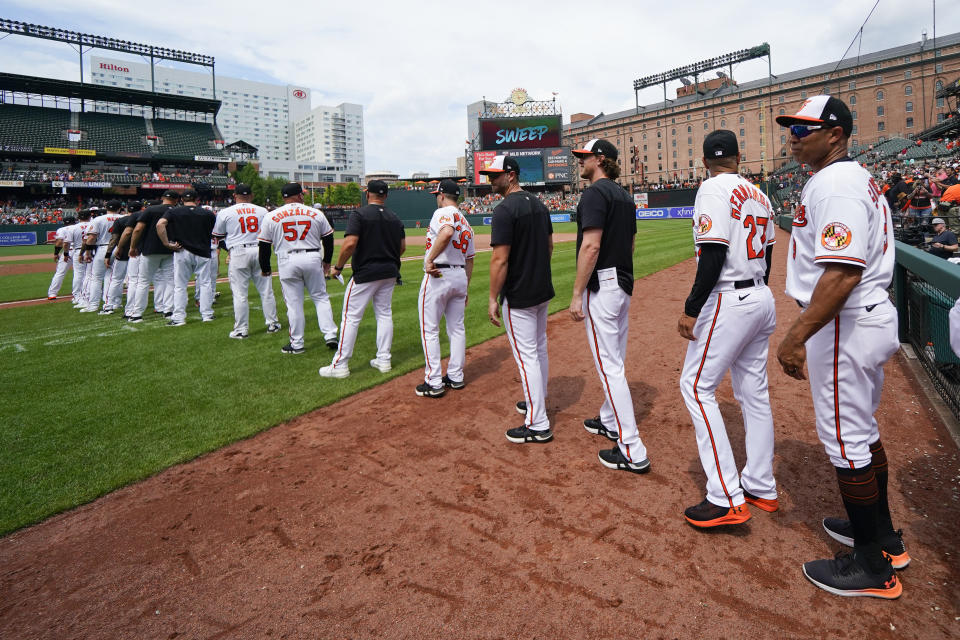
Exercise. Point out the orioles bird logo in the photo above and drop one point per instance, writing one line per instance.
(800, 219)
(704, 225)
(836, 236)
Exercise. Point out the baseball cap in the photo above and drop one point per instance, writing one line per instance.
(501, 164)
(243, 190)
(597, 146)
(189, 194)
(69, 219)
(448, 187)
(291, 189)
(170, 193)
(134, 205)
(378, 187)
(937, 221)
(721, 143)
(821, 109)
(113, 205)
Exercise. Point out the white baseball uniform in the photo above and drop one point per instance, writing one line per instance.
(445, 296)
(63, 264)
(844, 219)
(99, 276)
(295, 231)
(74, 235)
(239, 226)
(732, 332)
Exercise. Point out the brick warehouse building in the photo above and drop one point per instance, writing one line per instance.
(890, 93)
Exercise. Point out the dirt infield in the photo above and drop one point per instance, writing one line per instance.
(392, 516)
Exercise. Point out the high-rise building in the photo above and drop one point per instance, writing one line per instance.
(331, 136)
(258, 113)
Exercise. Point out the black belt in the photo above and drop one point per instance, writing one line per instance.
(303, 250)
(743, 284)
(448, 266)
(244, 246)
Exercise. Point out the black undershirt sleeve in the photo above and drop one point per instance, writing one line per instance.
(712, 257)
(327, 241)
(264, 257)
(766, 276)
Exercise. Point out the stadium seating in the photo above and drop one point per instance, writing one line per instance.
(109, 133)
(184, 139)
(36, 127)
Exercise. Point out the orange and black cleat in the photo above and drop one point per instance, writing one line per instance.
(765, 504)
(707, 514)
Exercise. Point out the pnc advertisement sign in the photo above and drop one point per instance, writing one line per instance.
(556, 164)
(520, 133)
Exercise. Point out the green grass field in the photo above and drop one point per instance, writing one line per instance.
(91, 403)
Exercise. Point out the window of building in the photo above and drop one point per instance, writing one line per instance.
(741, 120)
(782, 112)
(673, 132)
(941, 117)
(723, 124)
(853, 99)
(906, 75)
(743, 157)
(938, 68)
(881, 126)
(706, 114)
(907, 90)
(705, 126)
(689, 129)
(851, 85)
(760, 116)
(826, 91)
(741, 107)
(723, 110)
(803, 95)
(880, 110)
(659, 145)
(674, 154)
(853, 114)
(783, 139)
(909, 123)
(781, 100)
(879, 95)
(879, 80)
(742, 133)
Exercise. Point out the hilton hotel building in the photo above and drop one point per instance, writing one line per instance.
(890, 94)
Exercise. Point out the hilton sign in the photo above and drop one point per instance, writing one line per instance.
(299, 93)
(112, 67)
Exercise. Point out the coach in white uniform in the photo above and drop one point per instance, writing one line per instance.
(447, 269)
(61, 257)
(728, 318)
(373, 242)
(521, 235)
(838, 269)
(97, 239)
(606, 226)
(73, 243)
(239, 227)
(303, 240)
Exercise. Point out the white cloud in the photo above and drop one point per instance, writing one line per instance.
(416, 65)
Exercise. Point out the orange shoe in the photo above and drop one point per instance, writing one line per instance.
(707, 514)
(765, 504)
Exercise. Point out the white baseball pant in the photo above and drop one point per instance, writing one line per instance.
(115, 293)
(79, 276)
(244, 267)
(133, 283)
(732, 334)
(186, 264)
(99, 278)
(444, 296)
(845, 363)
(158, 269)
(355, 301)
(527, 334)
(57, 281)
(299, 269)
(607, 320)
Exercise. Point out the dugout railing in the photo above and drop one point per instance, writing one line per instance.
(925, 288)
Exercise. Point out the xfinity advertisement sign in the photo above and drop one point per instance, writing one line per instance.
(665, 213)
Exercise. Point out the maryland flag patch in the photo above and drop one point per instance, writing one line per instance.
(704, 224)
(836, 236)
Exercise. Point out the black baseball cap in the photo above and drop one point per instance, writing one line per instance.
(113, 205)
(189, 194)
(170, 193)
(448, 187)
(69, 219)
(821, 110)
(291, 189)
(134, 205)
(599, 147)
(721, 143)
(378, 187)
(243, 190)
(501, 164)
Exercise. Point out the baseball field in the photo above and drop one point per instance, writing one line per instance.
(202, 487)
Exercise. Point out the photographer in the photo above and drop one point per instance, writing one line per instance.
(920, 205)
(944, 243)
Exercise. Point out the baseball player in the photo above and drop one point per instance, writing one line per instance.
(61, 257)
(73, 243)
(303, 240)
(96, 240)
(157, 263)
(447, 269)
(839, 267)
(728, 317)
(239, 226)
(117, 263)
(521, 235)
(374, 241)
(186, 231)
(606, 226)
(122, 248)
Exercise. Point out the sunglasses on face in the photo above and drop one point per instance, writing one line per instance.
(803, 130)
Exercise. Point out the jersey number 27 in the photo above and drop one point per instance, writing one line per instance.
(749, 222)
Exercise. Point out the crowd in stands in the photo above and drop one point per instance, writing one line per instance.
(554, 200)
(33, 173)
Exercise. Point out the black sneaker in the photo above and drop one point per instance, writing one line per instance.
(332, 343)
(893, 548)
(524, 434)
(167, 314)
(273, 328)
(135, 319)
(176, 323)
(522, 407)
(847, 575)
(426, 391)
(594, 426)
(290, 349)
(614, 459)
(706, 514)
(447, 382)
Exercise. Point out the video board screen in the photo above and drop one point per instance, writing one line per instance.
(535, 132)
(556, 165)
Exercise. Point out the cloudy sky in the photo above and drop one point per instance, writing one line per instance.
(416, 65)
